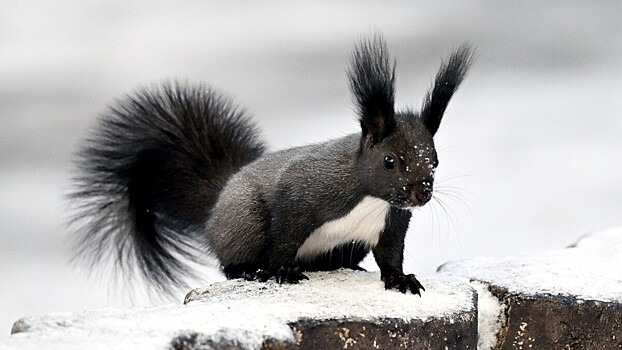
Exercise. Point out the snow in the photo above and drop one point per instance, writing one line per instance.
(490, 317)
(248, 312)
(589, 270)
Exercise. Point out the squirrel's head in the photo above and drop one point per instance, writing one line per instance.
(397, 158)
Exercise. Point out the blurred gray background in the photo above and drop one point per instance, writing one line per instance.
(530, 147)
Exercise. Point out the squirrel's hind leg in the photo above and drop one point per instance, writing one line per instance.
(251, 272)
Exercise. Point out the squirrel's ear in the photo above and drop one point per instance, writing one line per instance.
(448, 78)
(371, 77)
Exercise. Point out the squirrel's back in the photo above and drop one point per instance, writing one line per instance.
(237, 230)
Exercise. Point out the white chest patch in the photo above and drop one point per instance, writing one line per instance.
(364, 223)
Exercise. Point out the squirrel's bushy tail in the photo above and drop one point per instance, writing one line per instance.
(151, 171)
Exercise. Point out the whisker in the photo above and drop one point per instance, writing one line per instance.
(450, 217)
(436, 224)
(436, 220)
(410, 256)
(451, 177)
(457, 198)
(437, 216)
(456, 190)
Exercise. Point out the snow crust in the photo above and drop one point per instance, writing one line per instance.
(588, 270)
(247, 312)
(490, 317)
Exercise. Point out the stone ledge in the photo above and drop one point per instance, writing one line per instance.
(562, 299)
(344, 309)
(558, 322)
(435, 333)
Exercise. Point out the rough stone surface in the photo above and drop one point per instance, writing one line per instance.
(558, 322)
(565, 299)
(436, 333)
(340, 309)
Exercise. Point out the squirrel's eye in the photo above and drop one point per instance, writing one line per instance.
(389, 162)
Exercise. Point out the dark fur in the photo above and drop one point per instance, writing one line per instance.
(372, 80)
(151, 171)
(446, 83)
(176, 165)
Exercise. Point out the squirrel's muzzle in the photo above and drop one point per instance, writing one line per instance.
(421, 192)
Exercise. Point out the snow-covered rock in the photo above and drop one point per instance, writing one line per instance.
(340, 309)
(561, 299)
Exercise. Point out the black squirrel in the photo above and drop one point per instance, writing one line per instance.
(177, 169)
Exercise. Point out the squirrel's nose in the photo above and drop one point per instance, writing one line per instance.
(424, 195)
(422, 192)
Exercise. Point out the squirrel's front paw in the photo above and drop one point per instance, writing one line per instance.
(289, 275)
(403, 283)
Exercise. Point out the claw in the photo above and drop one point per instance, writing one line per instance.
(416, 287)
(249, 277)
(263, 275)
(290, 275)
(404, 283)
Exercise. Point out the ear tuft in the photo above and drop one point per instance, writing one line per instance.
(372, 77)
(448, 78)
